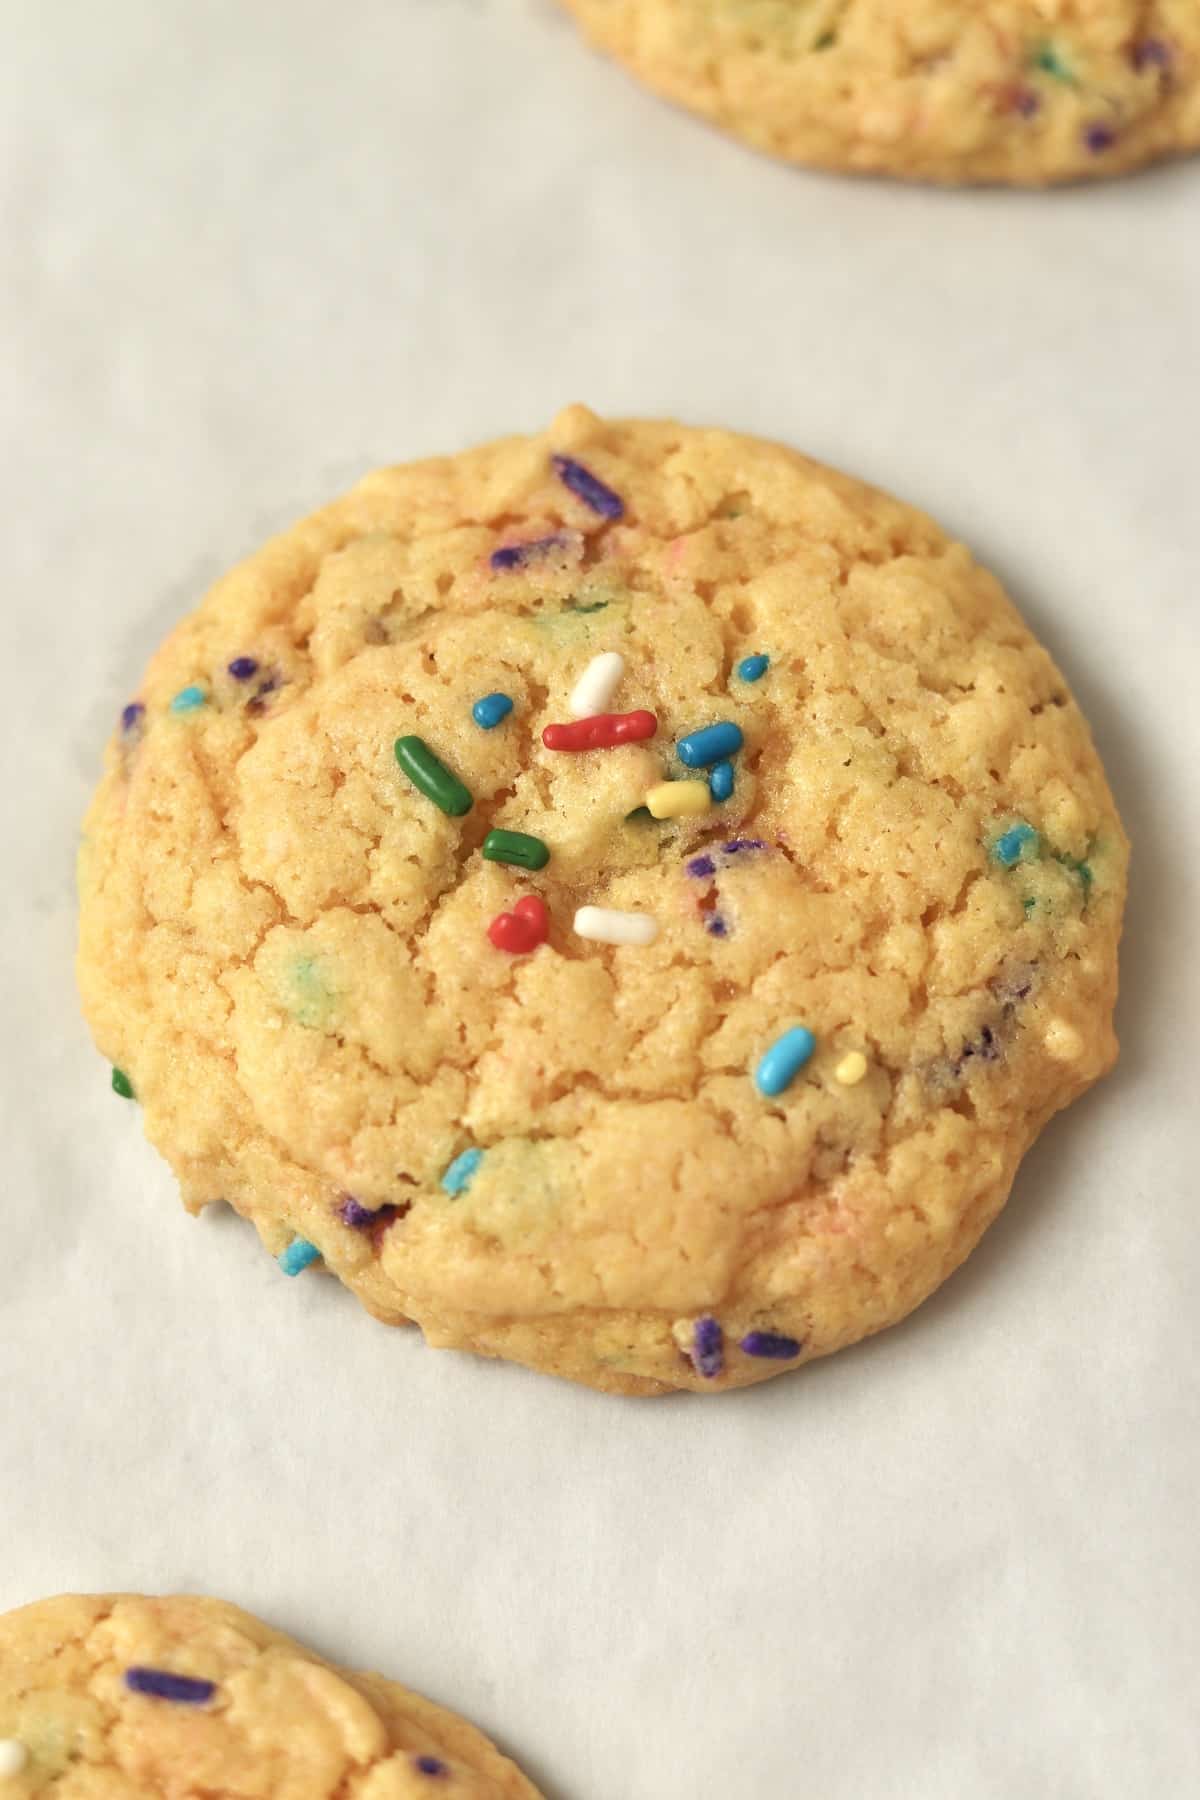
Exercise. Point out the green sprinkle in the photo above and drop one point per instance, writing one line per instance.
(590, 606)
(432, 777)
(1047, 58)
(122, 1084)
(516, 847)
(826, 41)
(1029, 904)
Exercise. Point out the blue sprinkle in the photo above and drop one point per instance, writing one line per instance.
(784, 1060)
(132, 715)
(588, 488)
(188, 699)
(701, 866)
(160, 1684)
(700, 749)
(488, 712)
(720, 781)
(430, 1765)
(457, 1178)
(298, 1256)
(716, 926)
(771, 1343)
(708, 1347)
(242, 668)
(1010, 847)
(753, 668)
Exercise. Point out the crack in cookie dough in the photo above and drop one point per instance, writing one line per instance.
(1017, 91)
(286, 947)
(117, 1694)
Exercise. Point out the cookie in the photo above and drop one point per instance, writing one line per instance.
(624, 899)
(114, 1694)
(930, 90)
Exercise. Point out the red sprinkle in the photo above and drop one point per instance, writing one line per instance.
(522, 929)
(601, 731)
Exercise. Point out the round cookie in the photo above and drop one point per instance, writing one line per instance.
(930, 90)
(114, 1694)
(424, 1068)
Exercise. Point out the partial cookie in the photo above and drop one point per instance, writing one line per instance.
(117, 1695)
(665, 1046)
(1019, 91)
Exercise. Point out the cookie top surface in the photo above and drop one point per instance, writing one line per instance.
(565, 1152)
(108, 1697)
(935, 90)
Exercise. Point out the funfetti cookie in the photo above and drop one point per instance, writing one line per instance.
(1020, 91)
(116, 1695)
(625, 899)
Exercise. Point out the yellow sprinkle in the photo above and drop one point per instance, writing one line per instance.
(851, 1069)
(678, 799)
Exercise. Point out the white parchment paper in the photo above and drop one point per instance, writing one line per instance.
(254, 247)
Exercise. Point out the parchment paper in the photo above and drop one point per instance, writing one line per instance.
(254, 249)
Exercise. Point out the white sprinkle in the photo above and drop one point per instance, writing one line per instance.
(13, 1757)
(605, 925)
(595, 688)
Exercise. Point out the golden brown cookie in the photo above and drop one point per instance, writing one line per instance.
(1019, 91)
(666, 1046)
(113, 1696)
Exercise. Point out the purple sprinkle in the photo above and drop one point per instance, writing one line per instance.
(1151, 53)
(515, 556)
(430, 1765)
(351, 1212)
(716, 926)
(736, 844)
(701, 866)
(161, 1685)
(708, 1347)
(134, 713)
(1099, 138)
(770, 1343)
(243, 667)
(585, 486)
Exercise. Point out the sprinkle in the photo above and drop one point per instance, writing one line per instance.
(458, 1176)
(161, 1685)
(753, 668)
(516, 847)
(1011, 845)
(522, 929)
(13, 1757)
(430, 1765)
(713, 744)
(132, 716)
(586, 487)
(784, 1060)
(432, 777)
(188, 699)
(298, 1256)
(359, 1217)
(708, 1347)
(678, 799)
(488, 712)
(597, 685)
(515, 556)
(607, 925)
(121, 1084)
(716, 926)
(720, 781)
(851, 1069)
(701, 867)
(771, 1343)
(601, 731)
(1099, 137)
(1151, 53)
(243, 668)
(736, 845)
(1048, 60)
(585, 606)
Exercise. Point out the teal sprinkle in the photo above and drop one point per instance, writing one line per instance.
(753, 668)
(1082, 869)
(1047, 59)
(298, 1256)
(457, 1178)
(188, 699)
(1011, 846)
(589, 606)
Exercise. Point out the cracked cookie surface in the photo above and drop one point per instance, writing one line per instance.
(1018, 91)
(563, 1157)
(114, 1696)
